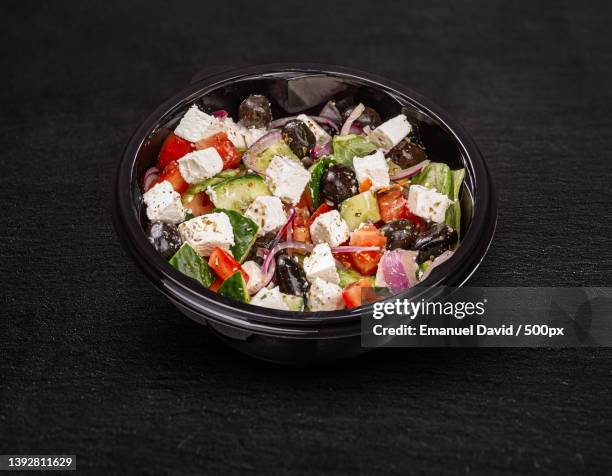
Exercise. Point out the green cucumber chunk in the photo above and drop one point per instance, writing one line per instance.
(316, 172)
(235, 288)
(359, 209)
(350, 276)
(294, 303)
(261, 162)
(191, 264)
(238, 193)
(196, 188)
(245, 233)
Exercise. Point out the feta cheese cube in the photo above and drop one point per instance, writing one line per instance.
(199, 165)
(329, 228)
(321, 264)
(287, 178)
(196, 125)
(244, 137)
(321, 136)
(164, 204)
(271, 298)
(391, 132)
(206, 232)
(257, 280)
(379, 281)
(428, 204)
(324, 296)
(268, 213)
(373, 167)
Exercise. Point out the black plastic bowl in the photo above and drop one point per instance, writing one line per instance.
(283, 336)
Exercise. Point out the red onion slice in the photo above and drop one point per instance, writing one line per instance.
(149, 178)
(318, 119)
(320, 151)
(220, 114)
(355, 129)
(393, 271)
(330, 111)
(283, 229)
(297, 245)
(409, 261)
(258, 147)
(346, 127)
(411, 171)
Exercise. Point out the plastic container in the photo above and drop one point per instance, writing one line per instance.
(282, 336)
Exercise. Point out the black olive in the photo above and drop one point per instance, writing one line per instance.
(261, 242)
(434, 241)
(406, 154)
(255, 111)
(338, 183)
(369, 117)
(164, 237)
(400, 234)
(299, 137)
(290, 276)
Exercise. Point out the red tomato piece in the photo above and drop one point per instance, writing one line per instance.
(368, 235)
(173, 149)
(392, 204)
(216, 284)
(229, 154)
(366, 262)
(172, 174)
(224, 264)
(358, 293)
(200, 204)
(324, 208)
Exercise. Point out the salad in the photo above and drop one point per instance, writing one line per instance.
(302, 213)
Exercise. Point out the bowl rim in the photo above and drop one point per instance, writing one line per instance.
(201, 301)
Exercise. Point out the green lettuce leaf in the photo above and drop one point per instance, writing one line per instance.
(316, 172)
(245, 233)
(191, 264)
(349, 146)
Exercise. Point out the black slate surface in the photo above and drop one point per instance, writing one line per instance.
(96, 363)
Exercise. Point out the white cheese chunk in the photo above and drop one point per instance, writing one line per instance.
(196, 125)
(329, 228)
(164, 204)
(321, 264)
(257, 280)
(372, 167)
(206, 232)
(324, 296)
(271, 298)
(199, 165)
(268, 213)
(391, 132)
(287, 178)
(321, 136)
(427, 203)
(244, 137)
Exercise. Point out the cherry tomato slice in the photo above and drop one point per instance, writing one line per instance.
(224, 265)
(173, 149)
(172, 174)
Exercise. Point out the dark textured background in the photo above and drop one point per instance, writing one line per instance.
(95, 362)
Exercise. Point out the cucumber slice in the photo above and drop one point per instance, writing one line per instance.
(261, 162)
(235, 288)
(191, 264)
(350, 276)
(294, 303)
(238, 193)
(245, 233)
(359, 209)
(194, 189)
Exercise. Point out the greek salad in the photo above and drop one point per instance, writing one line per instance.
(301, 213)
